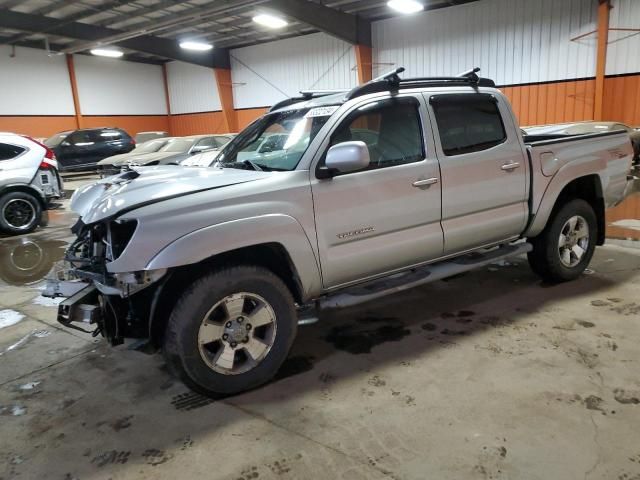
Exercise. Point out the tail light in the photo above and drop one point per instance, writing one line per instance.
(48, 154)
(132, 141)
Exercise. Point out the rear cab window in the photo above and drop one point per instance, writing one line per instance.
(468, 123)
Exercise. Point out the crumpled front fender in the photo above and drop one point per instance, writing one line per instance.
(216, 239)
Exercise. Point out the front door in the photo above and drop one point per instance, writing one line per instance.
(386, 216)
(484, 171)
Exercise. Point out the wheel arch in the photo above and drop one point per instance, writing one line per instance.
(587, 187)
(25, 188)
(271, 255)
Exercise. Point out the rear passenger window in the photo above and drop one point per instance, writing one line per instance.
(468, 123)
(391, 130)
(8, 152)
(109, 135)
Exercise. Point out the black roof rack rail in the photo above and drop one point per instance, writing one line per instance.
(305, 95)
(391, 81)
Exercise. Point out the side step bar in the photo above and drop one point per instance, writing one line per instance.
(420, 276)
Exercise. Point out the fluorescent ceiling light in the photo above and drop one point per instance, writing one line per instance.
(106, 52)
(270, 21)
(406, 6)
(198, 46)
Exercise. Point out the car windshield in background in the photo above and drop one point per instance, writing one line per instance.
(179, 145)
(56, 139)
(277, 141)
(150, 146)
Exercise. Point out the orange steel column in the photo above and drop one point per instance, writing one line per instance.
(601, 60)
(166, 96)
(364, 61)
(74, 91)
(225, 91)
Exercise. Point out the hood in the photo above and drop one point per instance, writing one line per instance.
(113, 159)
(150, 157)
(136, 188)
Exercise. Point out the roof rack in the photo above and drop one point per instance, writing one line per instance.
(391, 81)
(306, 95)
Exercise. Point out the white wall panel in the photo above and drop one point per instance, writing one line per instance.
(116, 87)
(267, 73)
(512, 41)
(623, 55)
(33, 83)
(192, 88)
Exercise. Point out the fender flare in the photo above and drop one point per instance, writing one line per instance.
(216, 239)
(554, 189)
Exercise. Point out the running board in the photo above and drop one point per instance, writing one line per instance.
(420, 276)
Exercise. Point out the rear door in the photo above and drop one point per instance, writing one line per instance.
(484, 174)
(78, 149)
(112, 141)
(387, 216)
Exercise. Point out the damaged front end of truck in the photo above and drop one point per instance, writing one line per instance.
(114, 305)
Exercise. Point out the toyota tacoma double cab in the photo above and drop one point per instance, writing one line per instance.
(367, 192)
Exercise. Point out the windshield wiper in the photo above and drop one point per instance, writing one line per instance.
(247, 163)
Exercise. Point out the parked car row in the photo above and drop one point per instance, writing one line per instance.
(163, 151)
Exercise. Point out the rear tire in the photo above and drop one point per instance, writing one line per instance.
(565, 247)
(20, 213)
(210, 342)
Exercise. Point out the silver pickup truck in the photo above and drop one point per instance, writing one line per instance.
(393, 184)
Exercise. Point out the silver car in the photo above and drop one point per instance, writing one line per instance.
(29, 180)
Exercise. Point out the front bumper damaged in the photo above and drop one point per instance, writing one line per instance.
(81, 308)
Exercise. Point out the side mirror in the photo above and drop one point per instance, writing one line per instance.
(346, 157)
(65, 144)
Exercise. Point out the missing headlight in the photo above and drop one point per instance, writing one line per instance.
(120, 233)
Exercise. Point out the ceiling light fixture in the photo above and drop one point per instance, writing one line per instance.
(406, 6)
(197, 46)
(106, 52)
(270, 21)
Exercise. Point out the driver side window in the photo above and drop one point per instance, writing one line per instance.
(390, 129)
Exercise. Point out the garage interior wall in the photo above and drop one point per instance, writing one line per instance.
(119, 93)
(527, 49)
(27, 103)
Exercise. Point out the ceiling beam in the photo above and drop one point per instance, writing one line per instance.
(161, 47)
(350, 28)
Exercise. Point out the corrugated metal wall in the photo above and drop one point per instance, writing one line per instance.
(32, 83)
(513, 41)
(117, 87)
(267, 73)
(192, 88)
(623, 55)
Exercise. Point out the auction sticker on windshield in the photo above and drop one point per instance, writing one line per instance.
(321, 111)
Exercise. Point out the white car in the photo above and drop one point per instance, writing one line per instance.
(202, 159)
(29, 179)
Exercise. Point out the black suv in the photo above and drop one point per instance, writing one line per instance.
(82, 149)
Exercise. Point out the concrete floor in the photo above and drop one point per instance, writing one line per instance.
(491, 375)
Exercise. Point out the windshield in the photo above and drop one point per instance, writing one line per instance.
(56, 140)
(276, 141)
(150, 146)
(179, 145)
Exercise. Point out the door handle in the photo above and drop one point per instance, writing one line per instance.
(507, 167)
(425, 183)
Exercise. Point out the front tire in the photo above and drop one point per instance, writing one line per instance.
(565, 247)
(20, 213)
(231, 330)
